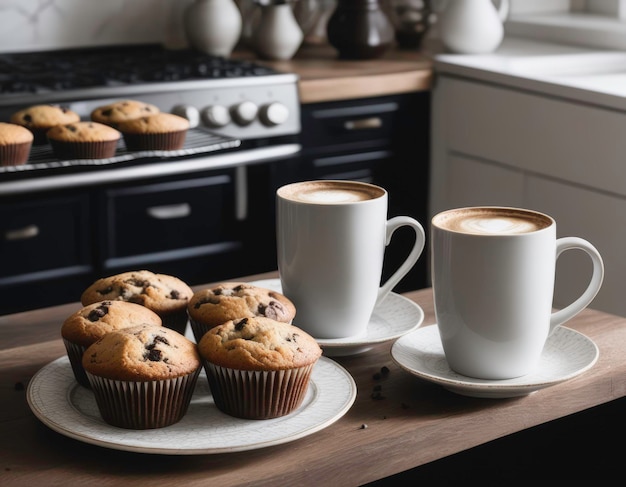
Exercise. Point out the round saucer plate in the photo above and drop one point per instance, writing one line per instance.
(393, 318)
(66, 407)
(567, 354)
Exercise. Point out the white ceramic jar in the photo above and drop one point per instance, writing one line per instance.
(278, 34)
(472, 26)
(213, 26)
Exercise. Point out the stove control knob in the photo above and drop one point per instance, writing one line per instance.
(188, 112)
(273, 114)
(215, 116)
(244, 113)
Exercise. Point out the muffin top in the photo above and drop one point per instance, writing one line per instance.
(258, 343)
(83, 132)
(154, 124)
(142, 353)
(11, 133)
(231, 300)
(44, 116)
(91, 322)
(159, 292)
(122, 110)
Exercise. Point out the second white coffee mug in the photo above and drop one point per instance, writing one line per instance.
(331, 240)
(493, 274)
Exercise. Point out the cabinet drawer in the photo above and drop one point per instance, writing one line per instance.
(358, 122)
(169, 216)
(46, 238)
(574, 142)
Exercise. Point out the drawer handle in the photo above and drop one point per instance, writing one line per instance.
(169, 212)
(29, 231)
(363, 124)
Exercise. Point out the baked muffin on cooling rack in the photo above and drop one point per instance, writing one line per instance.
(41, 118)
(162, 131)
(83, 140)
(15, 144)
(122, 110)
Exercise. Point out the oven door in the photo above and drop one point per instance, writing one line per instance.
(202, 219)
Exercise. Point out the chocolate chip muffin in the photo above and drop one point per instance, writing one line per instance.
(15, 144)
(162, 131)
(92, 322)
(258, 368)
(230, 300)
(166, 295)
(41, 118)
(142, 377)
(83, 140)
(122, 110)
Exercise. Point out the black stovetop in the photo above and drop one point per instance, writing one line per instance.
(54, 71)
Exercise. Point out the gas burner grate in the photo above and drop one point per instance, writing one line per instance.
(50, 71)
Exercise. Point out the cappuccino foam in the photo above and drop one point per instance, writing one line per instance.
(492, 221)
(330, 192)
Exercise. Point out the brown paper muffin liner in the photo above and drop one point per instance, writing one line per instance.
(258, 394)
(176, 320)
(143, 405)
(198, 329)
(15, 154)
(75, 354)
(39, 135)
(168, 141)
(84, 150)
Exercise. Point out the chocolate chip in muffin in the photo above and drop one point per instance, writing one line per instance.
(273, 310)
(153, 354)
(241, 324)
(97, 313)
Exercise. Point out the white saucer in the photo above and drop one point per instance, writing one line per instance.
(567, 353)
(391, 319)
(60, 403)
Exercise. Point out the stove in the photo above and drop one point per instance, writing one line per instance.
(232, 105)
(230, 96)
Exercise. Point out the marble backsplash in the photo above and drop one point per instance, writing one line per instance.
(36, 25)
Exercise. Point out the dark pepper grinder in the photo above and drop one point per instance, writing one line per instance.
(360, 29)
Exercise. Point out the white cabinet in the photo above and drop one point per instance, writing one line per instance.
(493, 145)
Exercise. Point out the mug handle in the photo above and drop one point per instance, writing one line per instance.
(567, 313)
(420, 238)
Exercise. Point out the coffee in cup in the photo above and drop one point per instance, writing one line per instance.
(493, 274)
(331, 239)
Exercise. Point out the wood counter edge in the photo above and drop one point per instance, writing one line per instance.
(336, 89)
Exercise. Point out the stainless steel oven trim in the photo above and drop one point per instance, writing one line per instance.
(213, 161)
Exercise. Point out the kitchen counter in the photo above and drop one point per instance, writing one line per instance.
(582, 74)
(325, 77)
(397, 423)
(538, 125)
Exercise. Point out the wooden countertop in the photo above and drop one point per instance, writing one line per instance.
(413, 422)
(325, 77)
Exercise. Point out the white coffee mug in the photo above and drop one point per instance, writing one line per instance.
(331, 239)
(493, 274)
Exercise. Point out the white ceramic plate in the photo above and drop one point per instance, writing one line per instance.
(70, 409)
(567, 353)
(391, 319)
